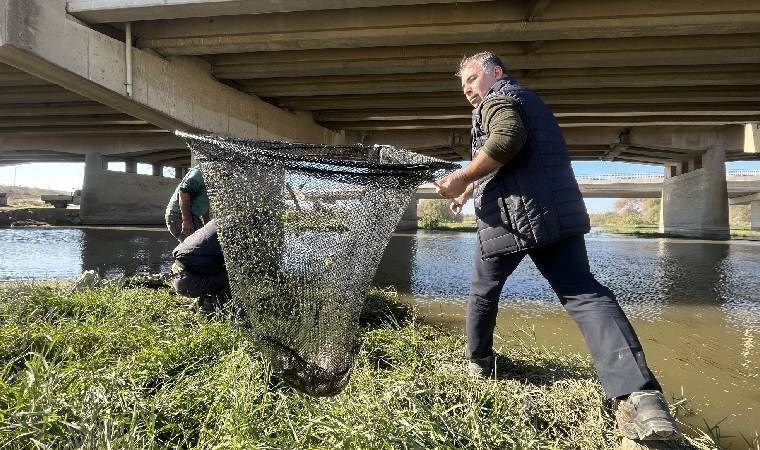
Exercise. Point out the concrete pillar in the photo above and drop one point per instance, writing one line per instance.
(397, 264)
(130, 166)
(409, 218)
(179, 172)
(158, 170)
(695, 204)
(754, 215)
(94, 164)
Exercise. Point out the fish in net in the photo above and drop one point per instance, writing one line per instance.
(303, 228)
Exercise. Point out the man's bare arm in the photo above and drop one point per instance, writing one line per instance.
(456, 183)
(185, 208)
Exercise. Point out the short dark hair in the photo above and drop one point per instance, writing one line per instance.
(487, 61)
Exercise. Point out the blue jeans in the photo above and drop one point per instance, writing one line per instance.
(618, 356)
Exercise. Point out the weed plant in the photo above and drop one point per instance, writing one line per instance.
(137, 368)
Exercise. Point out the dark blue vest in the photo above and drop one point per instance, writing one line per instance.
(534, 199)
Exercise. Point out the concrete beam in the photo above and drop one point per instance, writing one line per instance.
(103, 11)
(535, 9)
(481, 22)
(744, 200)
(560, 111)
(438, 58)
(647, 144)
(82, 130)
(55, 109)
(36, 94)
(575, 78)
(172, 94)
(687, 141)
(565, 122)
(87, 144)
(552, 97)
(71, 121)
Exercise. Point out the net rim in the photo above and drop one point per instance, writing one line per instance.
(322, 163)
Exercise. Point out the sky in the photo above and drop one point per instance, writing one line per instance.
(68, 176)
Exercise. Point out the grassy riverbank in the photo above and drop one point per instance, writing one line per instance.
(468, 225)
(633, 230)
(653, 231)
(137, 368)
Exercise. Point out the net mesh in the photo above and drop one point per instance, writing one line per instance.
(303, 228)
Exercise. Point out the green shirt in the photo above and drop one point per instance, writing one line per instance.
(504, 128)
(193, 185)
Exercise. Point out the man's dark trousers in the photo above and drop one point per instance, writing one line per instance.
(617, 353)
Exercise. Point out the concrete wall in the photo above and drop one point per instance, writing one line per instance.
(110, 198)
(754, 218)
(695, 204)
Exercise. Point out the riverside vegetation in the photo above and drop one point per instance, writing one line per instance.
(116, 367)
(641, 217)
(634, 216)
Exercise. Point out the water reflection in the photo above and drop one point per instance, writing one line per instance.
(135, 251)
(644, 273)
(34, 253)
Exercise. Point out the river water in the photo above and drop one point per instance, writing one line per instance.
(695, 304)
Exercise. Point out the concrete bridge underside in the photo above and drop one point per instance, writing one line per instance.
(108, 80)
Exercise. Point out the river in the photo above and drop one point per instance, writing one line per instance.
(695, 304)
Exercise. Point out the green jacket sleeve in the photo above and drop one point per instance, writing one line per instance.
(504, 127)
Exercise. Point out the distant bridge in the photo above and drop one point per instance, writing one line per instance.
(740, 183)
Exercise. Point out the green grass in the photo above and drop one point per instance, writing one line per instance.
(448, 226)
(137, 368)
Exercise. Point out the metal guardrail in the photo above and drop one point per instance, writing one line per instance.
(743, 173)
(621, 176)
(650, 176)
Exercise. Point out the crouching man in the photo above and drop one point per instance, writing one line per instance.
(199, 271)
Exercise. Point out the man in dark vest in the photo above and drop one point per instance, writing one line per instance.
(527, 202)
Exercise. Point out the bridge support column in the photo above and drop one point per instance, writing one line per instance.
(409, 218)
(94, 163)
(695, 203)
(122, 198)
(754, 218)
(130, 166)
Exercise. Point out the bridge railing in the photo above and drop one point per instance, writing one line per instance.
(743, 173)
(658, 176)
(621, 176)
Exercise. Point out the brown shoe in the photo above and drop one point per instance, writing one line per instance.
(645, 416)
(481, 367)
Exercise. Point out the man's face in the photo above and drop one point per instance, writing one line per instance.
(476, 81)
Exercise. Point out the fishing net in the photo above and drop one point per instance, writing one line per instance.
(303, 228)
